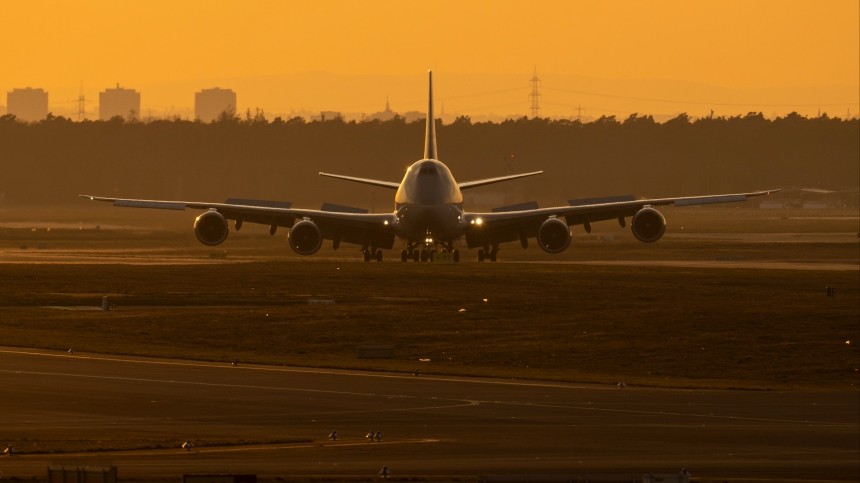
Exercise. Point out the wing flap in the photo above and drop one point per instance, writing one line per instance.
(707, 200)
(160, 205)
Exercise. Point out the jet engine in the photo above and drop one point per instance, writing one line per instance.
(553, 236)
(648, 225)
(211, 228)
(305, 237)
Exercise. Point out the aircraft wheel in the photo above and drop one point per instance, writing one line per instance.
(456, 255)
(493, 254)
(404, 255)
(431, 255)
(480, 254)
(378, 255)
(424, 255)
(416, 255)
(366, 255)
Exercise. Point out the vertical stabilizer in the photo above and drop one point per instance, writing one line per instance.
(430, 137)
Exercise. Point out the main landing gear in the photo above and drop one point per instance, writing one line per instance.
(371, 254)
(488, 253)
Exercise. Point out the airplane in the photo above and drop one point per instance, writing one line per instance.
(428, 215)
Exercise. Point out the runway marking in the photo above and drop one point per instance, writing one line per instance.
(337, 372)
(460, 402)
(694, 415)
(751, 265)
(224, 449)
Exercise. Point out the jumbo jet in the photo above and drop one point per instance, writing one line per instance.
(428, 216)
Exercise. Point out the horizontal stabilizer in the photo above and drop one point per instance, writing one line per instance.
(335, 208)
(374, 182)
(529, 205)
(263, 203)
(601, 200)
(483, 182)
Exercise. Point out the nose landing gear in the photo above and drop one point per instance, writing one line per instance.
(427, 252)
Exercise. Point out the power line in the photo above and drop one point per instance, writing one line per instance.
(702, 103)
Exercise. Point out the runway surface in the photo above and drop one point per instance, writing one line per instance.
(431, 425)
(148, 257)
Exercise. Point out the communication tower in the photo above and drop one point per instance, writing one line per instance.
(535, 95)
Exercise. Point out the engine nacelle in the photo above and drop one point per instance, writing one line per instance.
(648, 225)
(211, 228)
(305, 237)
(553, 236)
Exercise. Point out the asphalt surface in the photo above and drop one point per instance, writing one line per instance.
(433, 426)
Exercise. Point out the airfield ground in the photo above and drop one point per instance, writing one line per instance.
(730, 299)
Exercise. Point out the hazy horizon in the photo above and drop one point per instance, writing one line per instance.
(659, 58)
(282, 96)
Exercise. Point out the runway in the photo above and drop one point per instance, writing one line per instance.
(274, 421)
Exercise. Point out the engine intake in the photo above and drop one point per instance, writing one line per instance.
(648, 225)
(553, 236)
(305, 237)
(211, 228)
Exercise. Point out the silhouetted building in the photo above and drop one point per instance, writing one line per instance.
(210, 104)
(121, 102)
(28, 104)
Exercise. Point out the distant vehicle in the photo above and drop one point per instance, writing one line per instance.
(428, 215)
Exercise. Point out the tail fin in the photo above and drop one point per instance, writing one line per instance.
(430, 137)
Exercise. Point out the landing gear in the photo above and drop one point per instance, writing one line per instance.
(488, 253)
(427, 252)
(372, 254)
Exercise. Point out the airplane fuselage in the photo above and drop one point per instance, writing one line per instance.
(429, 204)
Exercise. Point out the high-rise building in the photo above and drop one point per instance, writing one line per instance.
(210, 104)
(121, 102)
(28, 104)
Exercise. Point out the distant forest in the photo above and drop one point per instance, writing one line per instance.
(50, 162)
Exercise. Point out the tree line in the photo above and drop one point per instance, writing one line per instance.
(50, 162)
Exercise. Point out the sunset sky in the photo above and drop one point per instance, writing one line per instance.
(593, 57)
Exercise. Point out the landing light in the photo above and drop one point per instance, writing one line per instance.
(385, 222)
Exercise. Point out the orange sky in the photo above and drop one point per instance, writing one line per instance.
(603, 57)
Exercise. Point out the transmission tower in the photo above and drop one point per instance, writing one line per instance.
(535, 95)
(82, 104)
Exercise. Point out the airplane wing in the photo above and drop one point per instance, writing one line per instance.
(506, 226)
(359, 228)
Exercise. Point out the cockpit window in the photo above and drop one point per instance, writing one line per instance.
(427, 171)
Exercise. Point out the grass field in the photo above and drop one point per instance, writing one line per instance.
(662, 325)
